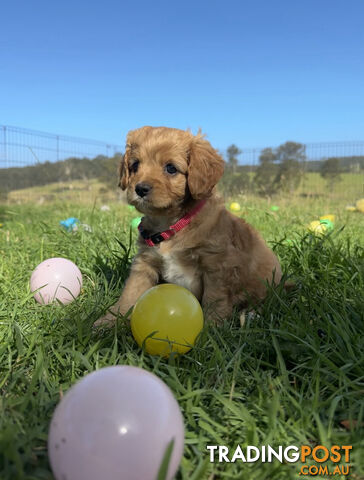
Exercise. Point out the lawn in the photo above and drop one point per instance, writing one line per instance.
(291, 376)
(77, 191)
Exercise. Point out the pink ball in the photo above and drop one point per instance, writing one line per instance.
(115, 424)
(57, 279)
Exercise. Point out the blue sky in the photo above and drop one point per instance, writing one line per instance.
(254, 73)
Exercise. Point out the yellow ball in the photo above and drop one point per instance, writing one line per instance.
(317, 228)
(313, 225)
(173, 313)
(235, 207)
(360, 205)
(328, 217)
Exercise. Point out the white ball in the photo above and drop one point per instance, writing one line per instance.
(56, 279)
(115, 424)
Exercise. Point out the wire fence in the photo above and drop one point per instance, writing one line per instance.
(21, 147)
(319, 151)
(44, 167)
(39, 166)
(310, 179)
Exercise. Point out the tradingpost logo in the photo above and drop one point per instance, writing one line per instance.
(315, 461)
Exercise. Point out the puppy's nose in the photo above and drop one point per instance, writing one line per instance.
(142, 189)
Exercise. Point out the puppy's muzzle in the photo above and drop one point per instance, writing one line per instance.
(142, 189)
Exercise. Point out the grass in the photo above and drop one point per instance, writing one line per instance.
(292, 376)
(77, 191)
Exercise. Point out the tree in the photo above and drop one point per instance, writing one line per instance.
(290, 156)
(291, 151)
(280, 169)
(266, 173)
(232, 153)
(289, 175)
(267, 156)
(233, 184)
(109, 175)
(330, 171)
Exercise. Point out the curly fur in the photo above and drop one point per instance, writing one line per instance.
(220, 258)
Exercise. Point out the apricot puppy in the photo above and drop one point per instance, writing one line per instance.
(187, 236)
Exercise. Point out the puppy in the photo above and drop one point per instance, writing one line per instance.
(187, 237)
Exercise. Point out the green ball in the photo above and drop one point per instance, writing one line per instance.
(274, 208)
(135, 222)
(287, 242)
(328, 224)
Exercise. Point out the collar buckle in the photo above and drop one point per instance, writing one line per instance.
(156, 238)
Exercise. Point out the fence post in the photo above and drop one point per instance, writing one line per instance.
(5, 148)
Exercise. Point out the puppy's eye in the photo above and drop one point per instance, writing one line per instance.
(134, 166)
(170, 168)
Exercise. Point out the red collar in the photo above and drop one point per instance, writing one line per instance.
(156, 238)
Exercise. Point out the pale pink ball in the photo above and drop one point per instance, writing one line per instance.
(115, 424)
(56, 279)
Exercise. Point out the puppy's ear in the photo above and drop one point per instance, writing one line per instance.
(124, 169)
(205, 168)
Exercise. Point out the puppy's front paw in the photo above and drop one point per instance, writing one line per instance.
(107, 321)
(213, 318)
(246, 315)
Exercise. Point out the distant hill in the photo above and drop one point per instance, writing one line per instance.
(17, 178)
(104, 169)
(346, 164)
